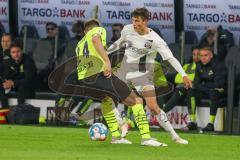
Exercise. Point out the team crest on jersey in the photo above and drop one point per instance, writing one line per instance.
(148, 44)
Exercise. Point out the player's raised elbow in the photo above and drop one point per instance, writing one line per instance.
(96, 40)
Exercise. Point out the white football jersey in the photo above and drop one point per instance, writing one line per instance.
(140, 53)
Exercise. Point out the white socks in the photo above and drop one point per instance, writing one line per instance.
(164, 122)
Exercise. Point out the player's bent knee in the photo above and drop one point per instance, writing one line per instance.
(132, 99)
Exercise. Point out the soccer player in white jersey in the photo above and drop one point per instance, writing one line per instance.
(137, 67)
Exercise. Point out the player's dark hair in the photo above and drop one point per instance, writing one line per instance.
(54, 25)
(141, 12)
(118, 25)
(6, 34)
(196, 47)
(16, 45)
(210, 33)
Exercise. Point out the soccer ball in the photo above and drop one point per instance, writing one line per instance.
(98, 132)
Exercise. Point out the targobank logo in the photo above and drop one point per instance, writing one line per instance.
(55, 12)
(213, 18)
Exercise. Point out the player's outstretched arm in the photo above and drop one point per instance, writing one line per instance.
(177, 66)
(166, 54)
(102, 52)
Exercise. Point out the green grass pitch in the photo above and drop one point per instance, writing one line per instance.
(60, 143)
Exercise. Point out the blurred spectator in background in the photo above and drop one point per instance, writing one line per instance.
(180, 92)
(209, 82)
(56, 43)
(218, 35)
(116, 57)
(78, 30)
(19, 75)
(6, 41)
(209, 39)
(116, 31)
(51, 30)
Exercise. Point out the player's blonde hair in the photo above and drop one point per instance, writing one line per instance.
(89, 24)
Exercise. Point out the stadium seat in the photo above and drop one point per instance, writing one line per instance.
(239, 41)
(191, 37)
(68, 52)
(175, 48)
(63, 33)
(230, 40)
(188, 53)
(32, 38)
(31, 32)
(232, 63)
(233, 58)
(157, 31)
(42, 54)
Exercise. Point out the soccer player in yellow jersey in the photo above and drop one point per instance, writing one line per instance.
(96, 79)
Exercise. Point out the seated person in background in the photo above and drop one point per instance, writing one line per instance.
(78, 30)
(209, 82)
(52, 32)
(116, 31)
(6, 41)
(208, 41)
(180, 91)
(19, 75)
(116, 57)
(220, 36)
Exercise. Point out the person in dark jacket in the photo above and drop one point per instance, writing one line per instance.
(222, 42)
(19, 75)
(209, 82)
(180, 92)
(78, 30)
(6, 41)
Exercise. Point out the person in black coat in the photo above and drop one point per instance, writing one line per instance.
(209, 82)
(19, 75)
(6, 41)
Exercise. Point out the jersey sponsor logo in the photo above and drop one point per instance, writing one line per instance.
(12, 68)
(148, 44)
(139, 50)
(88, 65)
(85, 66)
(210, 72)
(21, 68)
